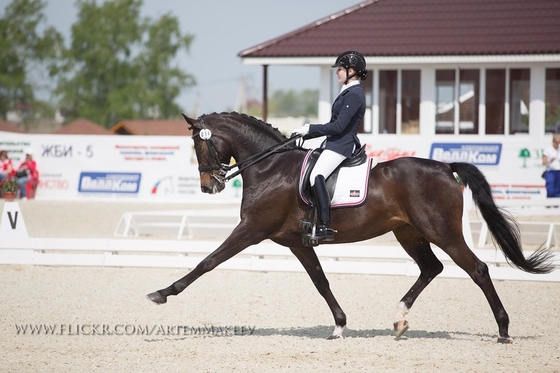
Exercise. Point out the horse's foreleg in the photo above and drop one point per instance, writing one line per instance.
(419, 249)
(310, 262)
(233, 245)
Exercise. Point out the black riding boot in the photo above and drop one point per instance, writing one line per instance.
(323, 202)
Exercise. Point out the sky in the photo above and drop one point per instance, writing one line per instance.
(223, 28)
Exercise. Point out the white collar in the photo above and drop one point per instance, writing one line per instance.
(350, 84)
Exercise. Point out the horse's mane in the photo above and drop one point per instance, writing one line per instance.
(263, 125)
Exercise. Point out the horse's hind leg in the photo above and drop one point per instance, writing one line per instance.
(478, 271)
(419, 249)
(310, 262)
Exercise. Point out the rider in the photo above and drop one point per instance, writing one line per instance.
(346, 116)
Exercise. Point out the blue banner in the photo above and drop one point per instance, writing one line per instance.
(109, 182)
(481, 154)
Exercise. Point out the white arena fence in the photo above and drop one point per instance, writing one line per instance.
(266, 256)
(358, 258)
(185, 222)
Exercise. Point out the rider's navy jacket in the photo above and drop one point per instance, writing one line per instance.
(342, 131)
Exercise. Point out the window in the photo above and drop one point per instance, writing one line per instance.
(445, 101)
(552, 100)
(410, 101)
(469, 82)
(388, 101)
(495, 101)
(457, 92)
(519, 99)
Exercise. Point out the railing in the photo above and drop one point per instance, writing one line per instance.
(356, 258)
(183, 221)
(521, 208)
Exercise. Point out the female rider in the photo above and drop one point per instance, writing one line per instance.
(346, 116)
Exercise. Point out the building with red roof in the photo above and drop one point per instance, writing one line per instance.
(82, 127)
(155, 127)
(472, 67)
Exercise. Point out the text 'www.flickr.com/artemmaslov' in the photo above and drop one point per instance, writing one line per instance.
(131, 329)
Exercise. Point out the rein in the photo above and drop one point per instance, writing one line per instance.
(206, 135)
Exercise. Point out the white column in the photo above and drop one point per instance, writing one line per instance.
(482, 103)
(456, 103)
(399, 102)
(324, 109)
(427, 101)
(537, 105)
(375, 103)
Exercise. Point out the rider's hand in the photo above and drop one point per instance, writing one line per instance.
(301, 131)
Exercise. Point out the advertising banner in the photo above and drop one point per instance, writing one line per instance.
(123, 167)
(165, 167)
(512, 165)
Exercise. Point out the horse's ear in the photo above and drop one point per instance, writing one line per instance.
(189, 120)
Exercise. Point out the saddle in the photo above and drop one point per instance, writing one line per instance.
(354, 177)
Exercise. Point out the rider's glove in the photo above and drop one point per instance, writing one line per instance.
(301, 131)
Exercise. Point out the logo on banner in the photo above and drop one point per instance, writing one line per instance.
(109, 182)
(477, 154)
(165, 185)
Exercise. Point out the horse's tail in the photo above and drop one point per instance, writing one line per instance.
(504, 229)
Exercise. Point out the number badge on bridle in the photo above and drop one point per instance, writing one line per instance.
(205, 134)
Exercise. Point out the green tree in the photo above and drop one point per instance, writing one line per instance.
(22, 47)
(293, 103)
(120, 66)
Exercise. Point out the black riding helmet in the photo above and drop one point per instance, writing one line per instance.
(355, 60)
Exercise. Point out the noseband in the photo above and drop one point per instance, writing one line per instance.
(206, 135)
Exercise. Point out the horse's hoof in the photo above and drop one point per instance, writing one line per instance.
(334, 336)
(337, 333)
(400, 328)
(505, 340)
(157, 298)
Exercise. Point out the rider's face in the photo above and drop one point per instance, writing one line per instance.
(341, 74)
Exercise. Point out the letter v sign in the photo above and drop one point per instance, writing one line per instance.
(12, 223)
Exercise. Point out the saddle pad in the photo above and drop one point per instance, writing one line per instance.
(351, 184)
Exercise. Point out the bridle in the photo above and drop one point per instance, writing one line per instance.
(222, 177)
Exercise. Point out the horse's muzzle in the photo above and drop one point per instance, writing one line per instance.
(211, 184)
(212, 188)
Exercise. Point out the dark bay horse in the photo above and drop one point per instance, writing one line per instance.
(419, 200)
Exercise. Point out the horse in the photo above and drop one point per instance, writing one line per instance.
(419, 200)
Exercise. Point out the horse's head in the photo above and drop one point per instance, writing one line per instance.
(212, 154)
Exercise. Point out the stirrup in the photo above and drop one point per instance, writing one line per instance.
(325, 233)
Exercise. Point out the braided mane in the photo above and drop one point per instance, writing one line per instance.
(257, 122)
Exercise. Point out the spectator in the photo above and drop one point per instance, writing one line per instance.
(7, 171)
(27, 172)
(551, 159)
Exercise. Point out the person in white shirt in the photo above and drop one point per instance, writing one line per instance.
(551, 159)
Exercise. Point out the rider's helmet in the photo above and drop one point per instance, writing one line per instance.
(352, 59)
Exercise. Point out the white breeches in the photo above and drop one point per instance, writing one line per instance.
(326, 164)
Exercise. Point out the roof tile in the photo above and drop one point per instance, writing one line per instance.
(9, 127)
(152, 127)
(82, 127)
(427, 27)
